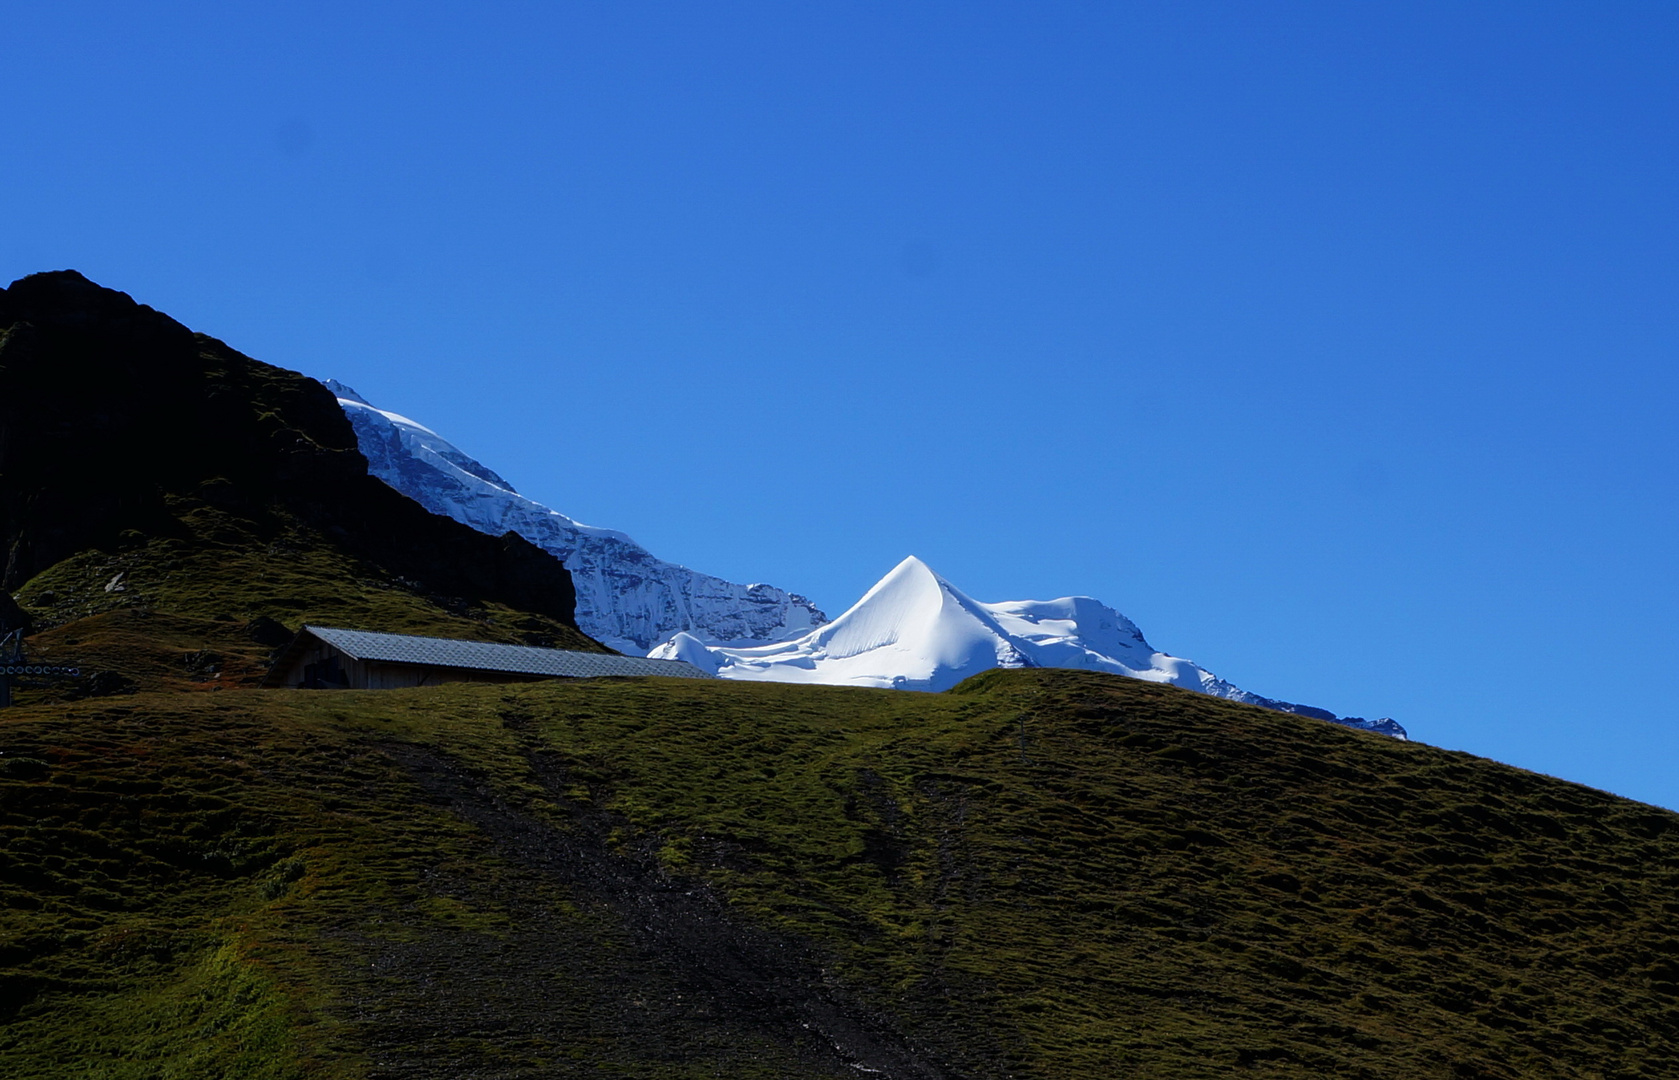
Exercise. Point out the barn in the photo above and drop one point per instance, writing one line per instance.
(327, 658)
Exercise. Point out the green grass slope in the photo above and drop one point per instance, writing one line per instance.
(205, 607)
(1039, 874)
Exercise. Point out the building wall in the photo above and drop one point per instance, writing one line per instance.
(397, 676)
(323, 666)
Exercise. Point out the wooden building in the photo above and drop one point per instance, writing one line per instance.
(325, 658)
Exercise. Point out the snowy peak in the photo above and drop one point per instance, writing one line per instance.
(914, 604)
(344, 393)
(914, 630)
(916, 612)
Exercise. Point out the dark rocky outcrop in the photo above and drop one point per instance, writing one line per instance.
(12, 617)
(111, 411)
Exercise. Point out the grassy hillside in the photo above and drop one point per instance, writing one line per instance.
(1037, 875)
(1040, 874)
(204, 608)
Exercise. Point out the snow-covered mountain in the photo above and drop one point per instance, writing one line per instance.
(912, 631)
(916, 631)
(626, 598)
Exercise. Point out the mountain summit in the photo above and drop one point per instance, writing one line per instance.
(914, 630)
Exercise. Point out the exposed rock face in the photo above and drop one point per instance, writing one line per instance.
(12, 617)
(111, 413)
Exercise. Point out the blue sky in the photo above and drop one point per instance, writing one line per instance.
(1333, 343)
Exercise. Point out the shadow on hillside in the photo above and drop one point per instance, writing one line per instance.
(630, 955)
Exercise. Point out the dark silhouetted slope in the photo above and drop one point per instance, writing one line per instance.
(147, 471)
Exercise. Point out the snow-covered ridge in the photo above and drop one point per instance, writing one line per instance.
(916, 631)
(626, 598)
(912, 631)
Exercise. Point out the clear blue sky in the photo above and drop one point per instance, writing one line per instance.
(1333, 343)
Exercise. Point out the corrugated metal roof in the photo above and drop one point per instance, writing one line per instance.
(486, 656)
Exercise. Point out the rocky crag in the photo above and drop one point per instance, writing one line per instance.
(136, 454)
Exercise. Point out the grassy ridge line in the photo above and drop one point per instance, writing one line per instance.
(1041, 874)
(1159, 881)
(144, 615)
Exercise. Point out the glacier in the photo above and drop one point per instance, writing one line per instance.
(626, 598)
(912, 631)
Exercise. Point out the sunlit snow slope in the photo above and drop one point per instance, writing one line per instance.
(626, 597)
(912, 631)
(915, 631)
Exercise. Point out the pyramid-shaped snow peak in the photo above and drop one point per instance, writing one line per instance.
(916, 631)
(913, 631)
